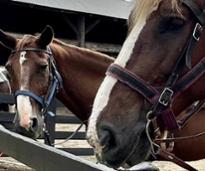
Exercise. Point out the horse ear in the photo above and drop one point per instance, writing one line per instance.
(4, 54)
(8, 40)
(46, 37)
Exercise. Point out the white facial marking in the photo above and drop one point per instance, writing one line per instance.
(24, 107)
(22, 57)
(103, 94)
(99, 103)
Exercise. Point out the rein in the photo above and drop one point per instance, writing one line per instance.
(161, 100)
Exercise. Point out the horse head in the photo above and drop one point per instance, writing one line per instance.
(29, 67)
(158, 72)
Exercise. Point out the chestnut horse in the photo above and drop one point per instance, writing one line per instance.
(158, 73)
(39, 65)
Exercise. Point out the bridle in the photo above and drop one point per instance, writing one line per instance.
(161, 100)
(55, 80)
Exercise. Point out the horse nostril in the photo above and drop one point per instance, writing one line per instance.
(107, 137)
(34, 123)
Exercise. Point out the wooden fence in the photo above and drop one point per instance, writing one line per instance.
(6, 119)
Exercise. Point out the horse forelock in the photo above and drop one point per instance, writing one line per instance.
(142, 9)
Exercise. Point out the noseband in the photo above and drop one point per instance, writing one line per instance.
(161, 100)
(55, 79)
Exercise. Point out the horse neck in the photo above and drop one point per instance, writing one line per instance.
(82, 72)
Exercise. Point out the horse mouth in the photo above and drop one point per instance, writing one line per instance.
(126, 156)
(30, 132)
(115, 157)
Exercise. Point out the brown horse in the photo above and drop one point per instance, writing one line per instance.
(149, 81)
(36, 66)
(4, 87)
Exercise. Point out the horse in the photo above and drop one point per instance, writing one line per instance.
(4, 87)
(158, 73)
(4, 80)
(40, 67)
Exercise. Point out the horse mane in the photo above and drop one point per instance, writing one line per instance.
(93, 53)
(142, 10)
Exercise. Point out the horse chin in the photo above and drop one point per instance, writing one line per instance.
(28, 132)
(141, 153)
(137, 150)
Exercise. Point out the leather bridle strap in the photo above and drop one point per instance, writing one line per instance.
(188, 79)
(37, 98)
(133, 81)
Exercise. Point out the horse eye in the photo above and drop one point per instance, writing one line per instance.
(43, 66)
(171, 24)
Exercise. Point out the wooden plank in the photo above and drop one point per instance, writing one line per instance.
(79, 151)
(67, 119)
(6, 117)
(9, 117)
(42, 157)
(6, 98)
(64, 135)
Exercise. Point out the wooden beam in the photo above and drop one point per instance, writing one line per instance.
(92, 26)
(70, 24)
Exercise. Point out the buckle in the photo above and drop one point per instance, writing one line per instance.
(166, 96)
(197, 31)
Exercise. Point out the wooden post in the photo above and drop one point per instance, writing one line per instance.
(81, 31)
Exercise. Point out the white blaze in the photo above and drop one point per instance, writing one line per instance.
(103, 94)
(24, 110)
(24, 107)
(22, 57)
